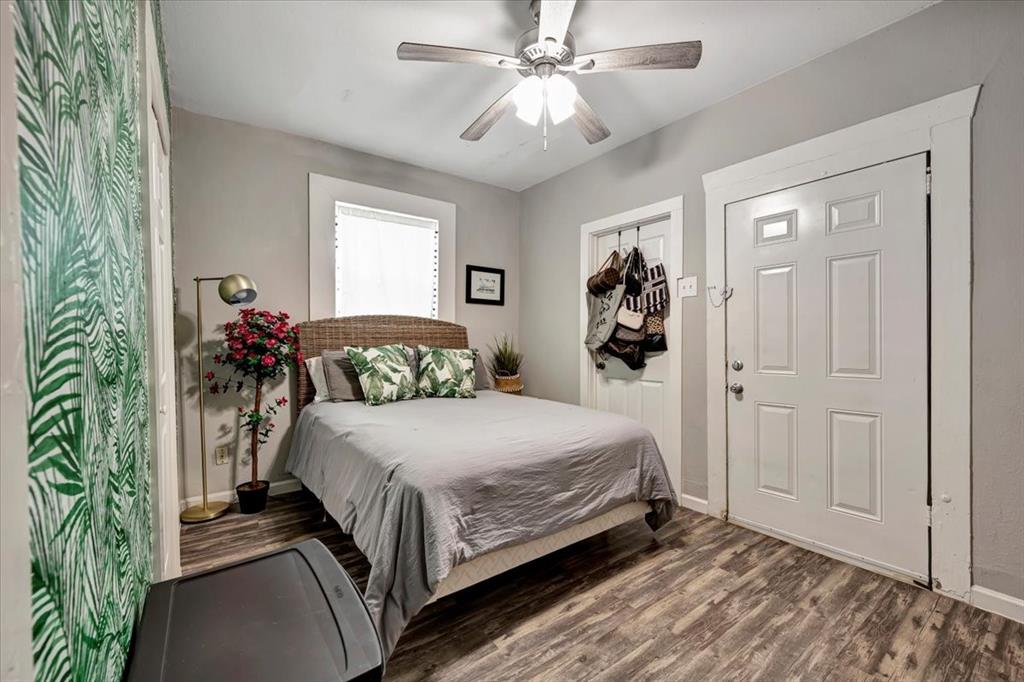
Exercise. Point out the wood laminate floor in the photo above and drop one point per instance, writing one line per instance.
(699, 600)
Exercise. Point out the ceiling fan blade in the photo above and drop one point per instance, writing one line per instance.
(662, 56)
(486, 120)
(554, 19)
(420, 52)
(593, 128)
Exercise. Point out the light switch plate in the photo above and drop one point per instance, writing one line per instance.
(220, 454)
(686, 287)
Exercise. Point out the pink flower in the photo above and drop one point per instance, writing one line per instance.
(218, 359)
(269, 360)
(270, 343)
(282, 401)
(209, 376)
(215, 388)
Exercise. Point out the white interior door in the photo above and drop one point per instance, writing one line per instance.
(827, 333)
(164, 460)
(652, 395)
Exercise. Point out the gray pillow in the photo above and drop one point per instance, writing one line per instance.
(343, 379)
(483, 379)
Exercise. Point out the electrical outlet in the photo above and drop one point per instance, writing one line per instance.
(220, 454)
(686, 287)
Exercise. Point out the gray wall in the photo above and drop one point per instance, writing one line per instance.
(942, 49)
(248, 186)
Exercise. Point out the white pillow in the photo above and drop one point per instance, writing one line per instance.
(315, 368)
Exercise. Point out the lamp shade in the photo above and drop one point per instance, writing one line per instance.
(237, 289)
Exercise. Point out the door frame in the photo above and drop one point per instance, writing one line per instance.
(589, 233)
(941, 127)
(164, 492)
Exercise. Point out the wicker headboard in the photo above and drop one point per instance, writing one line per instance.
(334, 333)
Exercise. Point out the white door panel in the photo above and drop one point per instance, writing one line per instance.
(828, 440)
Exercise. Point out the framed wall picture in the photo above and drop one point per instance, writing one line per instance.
(485, 285)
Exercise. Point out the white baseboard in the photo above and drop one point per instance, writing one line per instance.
(998, 603)
(288, 485)
(694, 503)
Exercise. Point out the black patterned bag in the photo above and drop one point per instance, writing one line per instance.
(654, 340)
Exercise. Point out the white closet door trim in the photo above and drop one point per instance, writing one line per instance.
(324, 191)
(942, 127)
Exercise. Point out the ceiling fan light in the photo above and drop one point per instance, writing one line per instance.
(561, 97)
(529, 100)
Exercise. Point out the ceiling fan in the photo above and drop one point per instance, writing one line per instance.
(543, 55)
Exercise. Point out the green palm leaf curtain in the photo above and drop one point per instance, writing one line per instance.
(85, 331)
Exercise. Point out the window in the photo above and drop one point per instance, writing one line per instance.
(385, 263)
(374, 250)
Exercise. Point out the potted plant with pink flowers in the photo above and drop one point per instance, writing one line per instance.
(261, 345)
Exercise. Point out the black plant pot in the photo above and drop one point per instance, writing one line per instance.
(252, 500)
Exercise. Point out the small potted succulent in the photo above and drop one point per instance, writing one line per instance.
(261, 345)
(504, 365)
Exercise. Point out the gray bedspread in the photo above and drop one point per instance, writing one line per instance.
(424, 485)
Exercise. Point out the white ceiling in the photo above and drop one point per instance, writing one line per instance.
(328, 70)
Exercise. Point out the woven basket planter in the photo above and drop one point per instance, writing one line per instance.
(512, 384)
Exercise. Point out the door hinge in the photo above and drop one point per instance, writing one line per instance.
(928, 180)
(928, 515)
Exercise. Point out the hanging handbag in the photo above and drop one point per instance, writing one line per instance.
(654, 296)
(654, 326)
(629, 335)
(630, 352)
(601, 312)
(632, 319)
(632, 272)
(607, 276)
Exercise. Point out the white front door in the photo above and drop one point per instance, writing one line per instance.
(651, 395)
(827, 334)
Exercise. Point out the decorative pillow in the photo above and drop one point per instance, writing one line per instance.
(385, 374)
(342, 379)
(447, 372)
(483, 379)
(341, 376)
(315, 370)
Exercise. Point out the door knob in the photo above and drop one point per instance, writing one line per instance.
(736, 388)
(737, 365)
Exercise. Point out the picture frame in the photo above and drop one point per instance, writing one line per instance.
(485, 286)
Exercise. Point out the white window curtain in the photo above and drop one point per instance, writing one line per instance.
(385, 263)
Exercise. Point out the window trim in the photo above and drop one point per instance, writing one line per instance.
(325, 191)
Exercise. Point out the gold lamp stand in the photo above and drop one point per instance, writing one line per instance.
(234, 290)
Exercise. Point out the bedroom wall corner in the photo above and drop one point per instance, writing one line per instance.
(241, 204)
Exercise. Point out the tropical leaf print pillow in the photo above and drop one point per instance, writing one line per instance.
(384, 373)
(447, 372)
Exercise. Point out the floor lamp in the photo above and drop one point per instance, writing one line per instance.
(235, 290)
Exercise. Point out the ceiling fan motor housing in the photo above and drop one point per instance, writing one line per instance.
(532, 52)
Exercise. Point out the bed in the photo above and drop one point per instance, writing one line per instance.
(442, 493)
